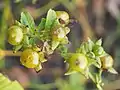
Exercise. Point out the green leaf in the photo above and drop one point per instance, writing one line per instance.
(41, 26)
(26, 40)
(56, 23)
(99, 87)
(81, 49)
(98, 50)
(103, 54)
(91, 61)
(90, 45)
(28, 20)
(51, 17)
(55, 44)
(99, 42)
(64, 52)
(112, 70)
(17, 48)
(6, 84)
(86, 47)
(32, 41)
(98, 64)
(91, 55)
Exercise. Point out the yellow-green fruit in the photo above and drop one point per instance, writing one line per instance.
(63, 16)
(15, 35)
(107, 62)
(59, 34)
(78, 62)
(29, 58)
(65, 40)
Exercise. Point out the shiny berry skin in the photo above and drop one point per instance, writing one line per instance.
(29, 58)
(78, 62)
(15, 35)
(107, 62)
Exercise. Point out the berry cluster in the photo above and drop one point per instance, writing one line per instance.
(51, 32)
(90, 54)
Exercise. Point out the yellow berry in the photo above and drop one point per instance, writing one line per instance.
(15, 35)
(29, 58)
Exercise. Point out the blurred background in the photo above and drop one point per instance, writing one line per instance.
(89, 18)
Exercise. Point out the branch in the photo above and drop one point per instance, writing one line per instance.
(9, 53)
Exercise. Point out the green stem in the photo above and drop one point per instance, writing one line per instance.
(91, 77)
(98, 85)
